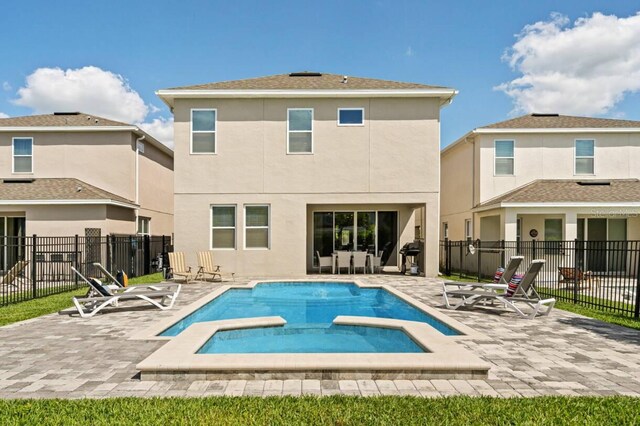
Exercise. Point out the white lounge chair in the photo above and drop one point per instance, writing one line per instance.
(101, 296)
(501, 283)
(360, 261)
(522, 293)
(324, 261)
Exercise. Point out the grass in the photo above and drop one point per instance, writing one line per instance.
(334, 410)
(57, 302)
(610, 317)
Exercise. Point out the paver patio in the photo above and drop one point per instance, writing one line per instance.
(58, 356)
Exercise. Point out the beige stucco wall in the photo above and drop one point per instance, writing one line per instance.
(365, 165)
(456, 189)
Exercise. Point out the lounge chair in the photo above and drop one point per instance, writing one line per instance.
(178, 267)
(323, 261)
(360, 261)
(500, 281)
(577, 277)
(519, 292)
(206, 267)
(103, 296)
(12, 274)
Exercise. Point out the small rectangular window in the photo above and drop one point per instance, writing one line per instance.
(584, 156)
(223, 227)
(350, 116)
(203, 131)
(256, 227)
(468, 231)
(300, 131)
(22, 155)
(445, 230)
(143, 226)
(504, 158)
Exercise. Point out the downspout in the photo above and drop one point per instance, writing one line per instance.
(140, 139)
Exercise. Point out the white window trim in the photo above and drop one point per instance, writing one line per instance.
(299, 131)
(575, 156)
(215, 132)
(268, 227)
(13, 155)
(513, 158)
(148, 219)
(468, 229)
(235, 228)
(350, 125)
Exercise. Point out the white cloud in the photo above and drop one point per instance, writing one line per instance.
(6, 86)
(161, 129)
(88, 89)
(409, 51)
(3, 115)
(585, 68)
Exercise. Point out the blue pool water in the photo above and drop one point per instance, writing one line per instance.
(309, 309)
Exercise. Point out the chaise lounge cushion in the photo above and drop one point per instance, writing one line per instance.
(513, 285)
(498, 275)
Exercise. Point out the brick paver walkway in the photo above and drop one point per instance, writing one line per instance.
(57, 356)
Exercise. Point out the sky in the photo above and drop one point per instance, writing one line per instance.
(506, 58)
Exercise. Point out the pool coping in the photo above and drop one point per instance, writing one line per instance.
(178, 359)
(152, 332)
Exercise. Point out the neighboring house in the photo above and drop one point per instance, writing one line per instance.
(64, 174)
(546, 177)
(271, 170)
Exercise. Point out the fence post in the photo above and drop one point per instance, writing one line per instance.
(636, 308)
(75, 260)
(533, 249)
(34, 269)
(461, 261)
(146, 246)
(132, 269)
(448, 258)
(108, 253)
(575, 268)
(503, 253)
(479, 259)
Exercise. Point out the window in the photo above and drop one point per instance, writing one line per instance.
(552, 235)
(22, 155)
(256, 227)
(518, 236)
(503, 158)
(350, 116)
(300, 131)
(143, 225)
(468, 231)
(584, 156)
(445, 230)
(223, 227)
(203, 131)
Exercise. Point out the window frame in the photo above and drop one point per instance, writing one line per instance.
(575, 157)
(468, 229)
(350, 124)
(13, 154)
(513, 157)
(268, 227)
(148, 219)
(215, 132)
(300, 131)
(235, 227)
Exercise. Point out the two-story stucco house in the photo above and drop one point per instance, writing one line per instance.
(271, 170)
(71, 173)
(545, 177)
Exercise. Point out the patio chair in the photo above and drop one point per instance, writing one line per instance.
(343, 260)
(376, 262)
(360, 261)
(323, 261)
(178, 267)
(101, 296)
(501, 278)
(206, 267)
(520, 291)
(576, 277)
(14, 273)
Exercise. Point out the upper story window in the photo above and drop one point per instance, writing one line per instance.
(22, 155)
(203, 131)
(300, 131)
(504, 158)
(350, 116)
(584, 156)
(223, 227)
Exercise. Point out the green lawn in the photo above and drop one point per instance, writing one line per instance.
(57, 302)
(335, 410)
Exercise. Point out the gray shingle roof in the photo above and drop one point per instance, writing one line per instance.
(59, 120)
(322, 82)
(554, 121)
(577, 191)
(54, 189)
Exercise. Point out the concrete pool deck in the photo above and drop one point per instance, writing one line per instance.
(57, 356)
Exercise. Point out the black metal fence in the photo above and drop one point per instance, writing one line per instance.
(604, 275)
(34, 266)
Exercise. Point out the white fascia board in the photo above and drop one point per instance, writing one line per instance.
(562, 130)
(559, 205)
(68, 203)
(69, 129)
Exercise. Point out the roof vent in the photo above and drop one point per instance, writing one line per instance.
(537, 114)
(345, 78)
(594, 183)
(18, 180)
(66, 113)
(305, 74)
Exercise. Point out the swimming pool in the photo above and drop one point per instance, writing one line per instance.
(309, 309)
